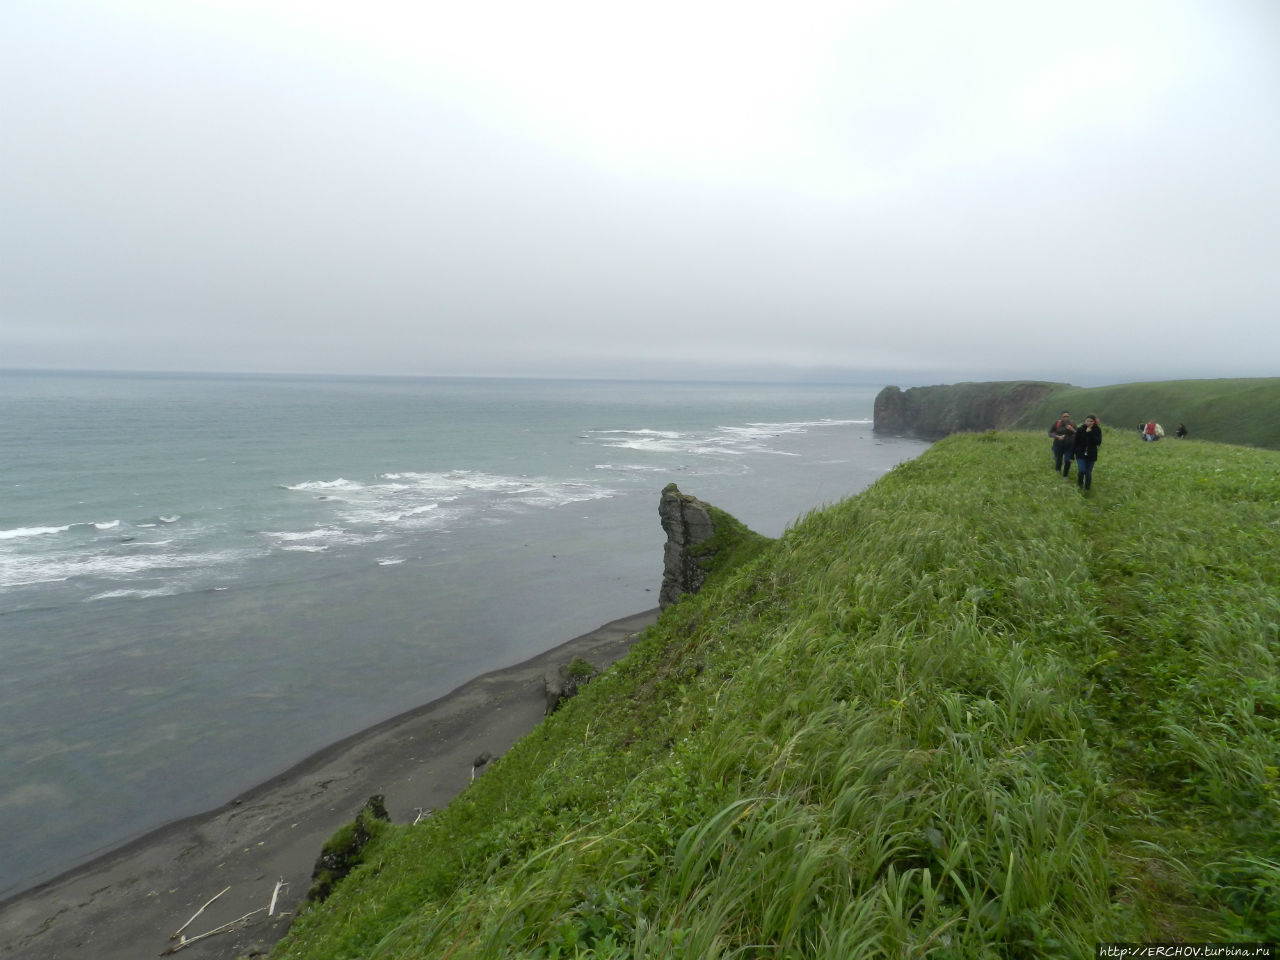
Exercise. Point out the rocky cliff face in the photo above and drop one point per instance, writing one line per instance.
(687, 522)
(934, 412)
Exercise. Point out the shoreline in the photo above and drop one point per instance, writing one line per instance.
(127, 902)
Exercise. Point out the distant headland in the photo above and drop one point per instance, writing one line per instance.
(1239, 411)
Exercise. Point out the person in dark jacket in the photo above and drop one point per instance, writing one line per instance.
(1061, 431)
(1088, 438)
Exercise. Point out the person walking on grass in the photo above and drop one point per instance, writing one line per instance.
(1088, 439)
(1061, 431)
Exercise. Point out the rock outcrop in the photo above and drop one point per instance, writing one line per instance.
(559, 685)
(688, 523)
(935, 412)
(345, 849)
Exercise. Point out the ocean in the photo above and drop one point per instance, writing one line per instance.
(204, 579)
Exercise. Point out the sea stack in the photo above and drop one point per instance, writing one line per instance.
(687, 522)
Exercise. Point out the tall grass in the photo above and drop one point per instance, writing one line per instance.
(1225, 411)
(968, 713)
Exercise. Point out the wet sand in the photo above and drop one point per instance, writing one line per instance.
(127, 904)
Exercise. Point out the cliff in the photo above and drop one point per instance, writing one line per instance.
(962, 713)
(938, 411)
(700, 540)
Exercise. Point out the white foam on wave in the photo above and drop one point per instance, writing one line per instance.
(643, 432)
(320, 533)
(656, 441)
(556, 493)
(720, 441)
(433, 500)
(339, 484)
(682, 446)
(318, 539)
(123, 565)
(107, 525)
(126, 593)
(424, 509)
(19, 533)
(173, 519)
(631, 468)
(389, 561)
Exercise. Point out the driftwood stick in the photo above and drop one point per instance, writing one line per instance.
(178, 932)
(188, 941)
(280, 884)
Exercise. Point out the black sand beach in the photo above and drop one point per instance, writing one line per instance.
(127, 904)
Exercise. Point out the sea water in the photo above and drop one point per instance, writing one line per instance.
(204, 579)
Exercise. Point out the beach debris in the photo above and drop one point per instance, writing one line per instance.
(229, 925)
(185, 941)
(423, 813)
(178, 933)
(275, 895)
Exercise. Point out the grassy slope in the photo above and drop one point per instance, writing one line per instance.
(1228, 411)
(967, 713)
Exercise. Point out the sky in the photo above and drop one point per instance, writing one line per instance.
(907, 191)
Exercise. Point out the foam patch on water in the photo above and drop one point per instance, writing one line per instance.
(319, 539)
(632, 467)
(721, 441)
(406, 501)
(21, 533)
(123, 594)
(323, 485)
(121, 564)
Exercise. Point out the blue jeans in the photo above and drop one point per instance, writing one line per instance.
(1084, 472)
(1061, 457)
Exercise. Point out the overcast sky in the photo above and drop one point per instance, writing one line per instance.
(907, 190)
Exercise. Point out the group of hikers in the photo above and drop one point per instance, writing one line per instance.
(1152, 431)
(1076, 443)
(1080, 444)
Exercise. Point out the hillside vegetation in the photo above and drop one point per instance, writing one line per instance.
(1228, 411)
(968, 713)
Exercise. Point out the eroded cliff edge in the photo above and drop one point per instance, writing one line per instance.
(937, 411)
(701, 539)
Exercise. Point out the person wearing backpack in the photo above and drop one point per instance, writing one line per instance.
(1063, 432)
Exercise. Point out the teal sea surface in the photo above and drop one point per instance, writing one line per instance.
(204, 579)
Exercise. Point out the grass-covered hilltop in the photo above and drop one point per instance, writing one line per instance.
(968, 713)
(1227, 411)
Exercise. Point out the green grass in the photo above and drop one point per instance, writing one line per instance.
(969, 713)
(1226, 411)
